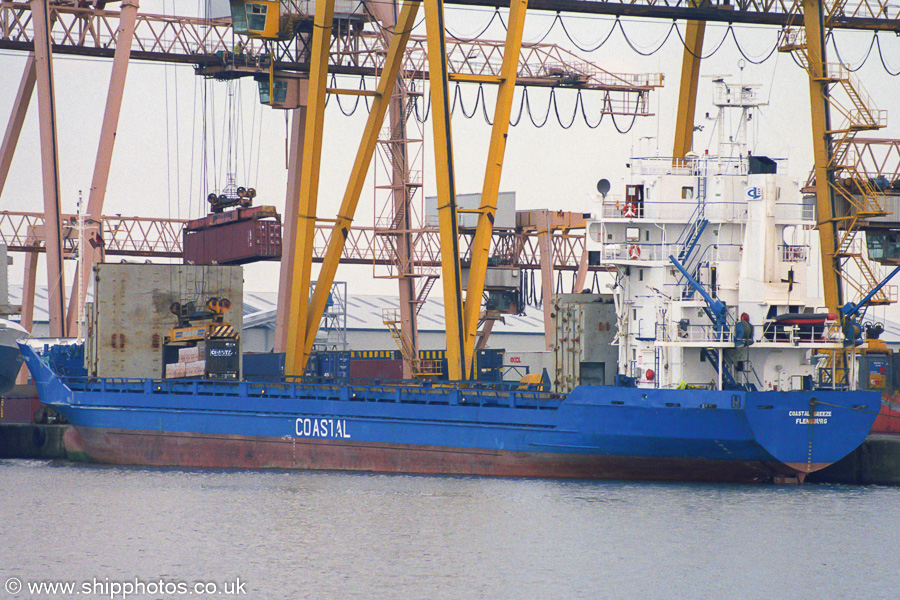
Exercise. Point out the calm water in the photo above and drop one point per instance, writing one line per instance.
(292, 535)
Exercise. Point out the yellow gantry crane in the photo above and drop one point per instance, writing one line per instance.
(266, 19)
(303, 318)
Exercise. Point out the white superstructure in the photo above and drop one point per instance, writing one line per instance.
(739, 228)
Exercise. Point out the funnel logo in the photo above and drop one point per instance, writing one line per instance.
(754, 193)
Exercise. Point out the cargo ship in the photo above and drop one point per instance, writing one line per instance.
(711, 359)
(10, 356)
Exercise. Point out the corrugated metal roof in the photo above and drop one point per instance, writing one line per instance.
(364, 311)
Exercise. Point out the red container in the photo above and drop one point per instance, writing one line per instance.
(888, 420)
(20, 406)
(376, 368)
(235, 243)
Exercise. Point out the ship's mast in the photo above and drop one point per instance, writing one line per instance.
(741, 96)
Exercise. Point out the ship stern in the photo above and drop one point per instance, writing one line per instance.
(807, 431)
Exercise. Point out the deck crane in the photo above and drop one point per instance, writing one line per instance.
(850, 326)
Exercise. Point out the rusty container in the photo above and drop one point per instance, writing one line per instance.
(234, 243)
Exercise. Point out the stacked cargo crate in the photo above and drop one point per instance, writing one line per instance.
(191, 363)
(210, 359)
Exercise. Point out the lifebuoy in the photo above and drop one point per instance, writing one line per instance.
(634, 252)
(629, 210)
(650, 374)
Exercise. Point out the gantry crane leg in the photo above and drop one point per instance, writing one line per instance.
(446, 188)
(386, 82)
(16, 118)
(545, 245)
(481, 245)
(295, 343)
(387, 13)
(43, 58)
(581, 273)
(409, 328)
(93, 253)
(687, 92)
(821, 125)
(289, 243)
(29, 284)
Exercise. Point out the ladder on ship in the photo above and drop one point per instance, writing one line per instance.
(690, 238)
(728, 369)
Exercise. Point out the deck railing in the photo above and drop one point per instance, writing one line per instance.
(508, 395)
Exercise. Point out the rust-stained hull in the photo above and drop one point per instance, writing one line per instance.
(164, 449)
(596, 432)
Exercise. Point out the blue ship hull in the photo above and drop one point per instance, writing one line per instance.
(593, 432)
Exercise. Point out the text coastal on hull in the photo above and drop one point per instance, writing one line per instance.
(322, 428)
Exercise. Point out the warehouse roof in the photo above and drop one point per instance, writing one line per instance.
(364, 312)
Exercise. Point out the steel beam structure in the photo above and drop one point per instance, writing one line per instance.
(821, 138)
(161, 238)
(687, 92)
(445, 179)
(93, 252)
(358, 174)
(481, 246)
(43, 58)
(208, 44)
(29, 286)
(199, 41)
(304, 234)
(543, 235)
(869, 158)
(295, 168)
(879, 15)
(398, 146)
(16, 118)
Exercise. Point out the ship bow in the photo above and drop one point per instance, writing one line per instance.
(50, 387)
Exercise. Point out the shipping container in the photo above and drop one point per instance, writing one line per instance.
(375, 354)
(328, 364)
(223, 359)
(230, 216)
(376, 368)
(234, 243)
(263, 364)
(584, 353)
(489, 364)
(20, 405)
(518, 364)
